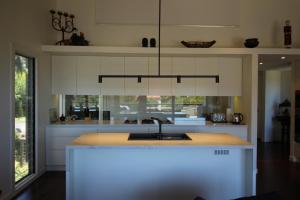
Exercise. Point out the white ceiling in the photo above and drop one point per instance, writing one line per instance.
(275, 61)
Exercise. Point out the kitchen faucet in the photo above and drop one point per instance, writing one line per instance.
(159, 126)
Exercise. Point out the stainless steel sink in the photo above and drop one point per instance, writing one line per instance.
(158, 136)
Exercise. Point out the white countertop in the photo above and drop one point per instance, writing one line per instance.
(198, 139)
(121, 123)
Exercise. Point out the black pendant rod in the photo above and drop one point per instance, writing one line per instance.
(159, 24)
(139, 77)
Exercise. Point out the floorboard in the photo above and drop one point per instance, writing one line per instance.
(50, 186)
(276, 172)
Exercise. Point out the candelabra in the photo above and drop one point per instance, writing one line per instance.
(62, 22)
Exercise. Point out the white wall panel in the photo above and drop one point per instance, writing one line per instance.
(174, 12)
(201, 12)
(127, 11)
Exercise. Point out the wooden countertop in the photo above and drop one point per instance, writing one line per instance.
(121, 139)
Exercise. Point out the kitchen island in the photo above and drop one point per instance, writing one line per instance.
(61, 134)
(109, 166)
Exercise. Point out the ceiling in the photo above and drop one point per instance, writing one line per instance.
(276, 61)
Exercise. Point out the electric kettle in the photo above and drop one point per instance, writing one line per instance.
(237, 118)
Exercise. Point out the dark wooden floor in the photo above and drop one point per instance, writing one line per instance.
(50, 186)
(275, 173)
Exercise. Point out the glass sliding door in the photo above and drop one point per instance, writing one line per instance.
(24, 117)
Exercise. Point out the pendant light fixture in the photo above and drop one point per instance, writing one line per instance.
(140, 77)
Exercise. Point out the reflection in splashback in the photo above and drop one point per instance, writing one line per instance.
(140, 107)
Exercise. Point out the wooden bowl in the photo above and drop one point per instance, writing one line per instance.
(198, 44)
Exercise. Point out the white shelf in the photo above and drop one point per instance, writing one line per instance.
(103, 50)
(98, 50)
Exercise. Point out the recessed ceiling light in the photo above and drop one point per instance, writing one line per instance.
(283, 57)
(261, 63)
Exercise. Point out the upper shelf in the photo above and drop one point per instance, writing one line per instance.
(102, 50)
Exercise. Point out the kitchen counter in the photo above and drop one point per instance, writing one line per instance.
(121, 139)
(91, 122)
(121, 122)
(108, 166)
(59, 135)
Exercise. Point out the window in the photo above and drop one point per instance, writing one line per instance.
(121, 107)
(160, 104)
(81, 106)
(24, 117)
(186, 106)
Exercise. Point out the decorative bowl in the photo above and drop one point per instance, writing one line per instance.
(198, 44)
(251, 42)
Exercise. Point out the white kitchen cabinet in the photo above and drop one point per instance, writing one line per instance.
(64, 70)
(184, 66)
(79, 75)
(230, 71)
(57, 138)
(88, 69)
(112, 66)
(160, 86)
(207, 66)
(136, 66)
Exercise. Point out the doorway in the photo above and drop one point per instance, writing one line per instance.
(274, 98)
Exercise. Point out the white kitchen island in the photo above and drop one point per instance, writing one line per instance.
(108, 166)
(59, 135)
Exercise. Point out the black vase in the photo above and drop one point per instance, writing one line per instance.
(152, 42)
(145, 42)
(251, 43)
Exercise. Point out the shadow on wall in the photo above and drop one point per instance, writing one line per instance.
(173, 190)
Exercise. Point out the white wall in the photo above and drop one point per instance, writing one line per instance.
(272, 99)
(285, 86)
(262, 19)
(274, 87)
(25, 25)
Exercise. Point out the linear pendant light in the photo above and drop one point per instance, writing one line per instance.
(139, 77)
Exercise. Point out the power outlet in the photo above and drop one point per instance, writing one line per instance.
(221, 152)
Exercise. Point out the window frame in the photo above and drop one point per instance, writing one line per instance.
(24, 180)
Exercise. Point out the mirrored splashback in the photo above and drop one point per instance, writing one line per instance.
(139, 107)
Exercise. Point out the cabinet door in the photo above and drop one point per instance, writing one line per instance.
(112, 66)
(230, 71)
(64, 74)
(207, 66)
(57, 138)
(184, 66)
(88, 69)
(136, 66)
(160, 86)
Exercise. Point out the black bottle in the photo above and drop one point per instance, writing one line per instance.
(86, 112)
(287, 34)
(152, 42)
(145, 42)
